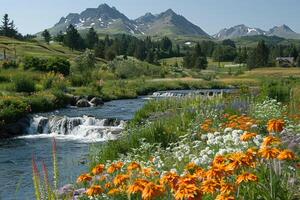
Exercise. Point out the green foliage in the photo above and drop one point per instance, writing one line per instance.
(47, 36)
(259, 57)
(72, 39)
(132, 69)
(8, 28)
(35, 63)
(223, 53)
(12, 109)
(10, 64)
(23, 84)
(91, 38)
(57, 65)
(298, 61)
(277, 89)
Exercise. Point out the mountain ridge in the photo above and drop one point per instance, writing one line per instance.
(106, 19)
(242, 30)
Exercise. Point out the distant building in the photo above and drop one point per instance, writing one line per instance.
(285, 61)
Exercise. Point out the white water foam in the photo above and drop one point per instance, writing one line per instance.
(83, 129)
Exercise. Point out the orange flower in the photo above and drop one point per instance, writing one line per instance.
(246, 177)
(114, 167)
(226, 188)
(248, 136)
(114, 192)
(224, 197)
(286, 155)
(270, 140)
(209, 186)
(200, 173)
(147, 171)
(151, 191)
(219, 160)
(133, 166)
(269, 153)
(107, 185)
(191, 166)
(187, 191)
(84, 178)
(275, 125)
(138, 186)
(120, 179)
(94, 190)
(98, 169)
(170, 179)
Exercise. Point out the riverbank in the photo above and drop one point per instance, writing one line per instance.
(183, 139)
(14, 109)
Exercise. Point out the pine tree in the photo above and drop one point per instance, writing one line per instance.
(59, 37)
(72, 39)
(8, 28)
(298, 61)
(187, 60)
(47, 36)
(150, 56)
(251, 61)
(262, 54)
(91, 38)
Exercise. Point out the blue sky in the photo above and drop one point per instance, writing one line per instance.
(32, 16)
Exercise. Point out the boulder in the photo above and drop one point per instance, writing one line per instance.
(96, 101)
(83, 103)
(90, 97)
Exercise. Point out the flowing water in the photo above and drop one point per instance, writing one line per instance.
(75, 130)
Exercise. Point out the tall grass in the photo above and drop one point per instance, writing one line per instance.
(43, 188)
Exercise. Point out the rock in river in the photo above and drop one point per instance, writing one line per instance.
(96, 101)
(83, 103)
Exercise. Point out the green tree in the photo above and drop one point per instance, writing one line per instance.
(47, 36)
(262, 54)
(86, 61)
(166, 44)
(298, 61)
(59, 37)
(251, 60)
(201, 62)
(73, 39)
(8, 28)
(150, 56)
(187, 60)
(91, 38)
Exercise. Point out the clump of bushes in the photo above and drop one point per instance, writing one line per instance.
(12, 109)
(54, 81)
(57, 65)
(10, 64)
(23, 84)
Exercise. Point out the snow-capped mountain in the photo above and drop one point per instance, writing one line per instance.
(238, 31)
(106, 19)
(242, 30)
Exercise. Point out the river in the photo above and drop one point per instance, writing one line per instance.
(75, 130)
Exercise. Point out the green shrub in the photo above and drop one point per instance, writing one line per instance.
(54, 81)
(23, 84)
(10, 64)
(58, 65)
(12, 109)
(35, 63)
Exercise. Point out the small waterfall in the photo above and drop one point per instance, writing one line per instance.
(183, 93)
(85, 127)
